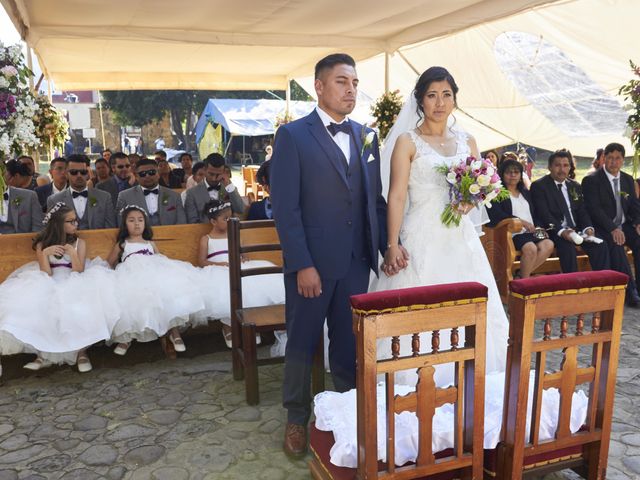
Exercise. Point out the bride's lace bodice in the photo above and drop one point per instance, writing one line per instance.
(425, 184)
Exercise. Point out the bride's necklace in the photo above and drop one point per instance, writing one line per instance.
(436, 139)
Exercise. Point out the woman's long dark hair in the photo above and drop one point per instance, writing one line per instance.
(123, 233)
(53, 232)
(430, 75)
(504, 165)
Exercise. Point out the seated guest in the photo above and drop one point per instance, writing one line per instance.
(17, 175)
(123, 177)
(93, 207)
(167, 179)
(559, 202)
(37, 180)
(533, 250)
(20, 212)
(103, 171)
(492, 156)
(514, 156)
(134, 158)
(197, 175)
(597, 162)
(163, 205)
(58, 172)
(614, 208)
(262, 210)
(181, 174)
(216, 186)
(106, 154)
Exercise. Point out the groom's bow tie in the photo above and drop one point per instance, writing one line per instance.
(343, 127)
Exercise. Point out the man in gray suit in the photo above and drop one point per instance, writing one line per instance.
(21, 211)
(216, 186)
(163, 205)
(122, 178)
(93, 207)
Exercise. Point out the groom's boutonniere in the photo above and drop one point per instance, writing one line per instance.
(93, 201)
(165, 199)
(367, 139)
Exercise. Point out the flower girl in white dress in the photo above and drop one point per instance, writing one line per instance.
(156, 294)
(213, 255)
(56, 307)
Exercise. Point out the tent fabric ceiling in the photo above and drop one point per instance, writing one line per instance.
(217, 44)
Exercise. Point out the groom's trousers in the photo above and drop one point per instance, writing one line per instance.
(305, 322)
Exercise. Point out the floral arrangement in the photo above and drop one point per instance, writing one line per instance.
(283, 118)
(386, 109)
(471, 182)
(631, 93)
(17, 104)
(52, 128)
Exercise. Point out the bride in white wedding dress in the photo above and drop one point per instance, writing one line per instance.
(420, 141)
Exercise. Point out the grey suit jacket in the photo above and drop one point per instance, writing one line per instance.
(170, 209)
(198, 196)
(25, 211)
(99, 211)
(111, 187)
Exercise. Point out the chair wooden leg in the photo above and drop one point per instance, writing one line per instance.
(236, 350)
(250, 364)
(317, 372)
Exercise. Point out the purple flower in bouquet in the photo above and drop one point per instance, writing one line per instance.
(472, 182)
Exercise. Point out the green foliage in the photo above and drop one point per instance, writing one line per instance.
(386, 109)
(631, 93)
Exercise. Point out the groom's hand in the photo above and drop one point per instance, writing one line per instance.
(309, 284)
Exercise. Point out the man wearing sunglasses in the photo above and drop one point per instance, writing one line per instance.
(162, 204)
(123, 176)
(94, 208)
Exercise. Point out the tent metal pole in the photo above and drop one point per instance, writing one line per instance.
(460, 109)
(104, 143)
(386, 72)
(288, 96)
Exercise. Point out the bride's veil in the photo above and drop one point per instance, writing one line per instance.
(408, 119)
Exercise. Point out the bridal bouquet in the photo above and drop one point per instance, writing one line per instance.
(472, 182)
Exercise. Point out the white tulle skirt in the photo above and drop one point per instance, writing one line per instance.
(57, 315)
(155, 294)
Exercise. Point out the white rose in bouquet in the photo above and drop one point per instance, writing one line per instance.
(484, 180)
(474, 189)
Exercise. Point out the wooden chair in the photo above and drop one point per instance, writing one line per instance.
(411, 311)
(599, 294)
(257, 240)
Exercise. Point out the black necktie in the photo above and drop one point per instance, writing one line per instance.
(339, 127)
(565, 208)
(6, 196)
(84, 194)
(147, 192)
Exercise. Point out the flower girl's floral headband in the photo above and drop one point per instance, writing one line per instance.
(52, 210)
(133, 207)
(219, 208)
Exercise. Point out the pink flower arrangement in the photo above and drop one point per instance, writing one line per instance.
(472, 182)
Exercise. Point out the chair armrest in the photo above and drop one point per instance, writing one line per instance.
(510, 225)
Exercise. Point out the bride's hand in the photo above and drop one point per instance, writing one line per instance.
(395, 259)
(464, 208)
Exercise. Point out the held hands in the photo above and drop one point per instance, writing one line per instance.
(396, 258)
(309, 283)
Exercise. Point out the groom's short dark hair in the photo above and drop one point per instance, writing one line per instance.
(332, 60)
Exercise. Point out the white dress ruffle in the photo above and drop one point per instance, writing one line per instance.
(337, 412)
(156, 293)
(57, 315)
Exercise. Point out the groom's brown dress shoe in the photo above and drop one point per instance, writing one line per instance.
(295, 440)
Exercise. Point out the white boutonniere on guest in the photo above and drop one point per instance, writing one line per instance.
(165, 199)
(17, 201)
(93, 201)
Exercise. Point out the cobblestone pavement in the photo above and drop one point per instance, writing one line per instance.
(132, 418)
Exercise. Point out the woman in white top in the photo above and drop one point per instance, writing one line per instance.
(534, 250)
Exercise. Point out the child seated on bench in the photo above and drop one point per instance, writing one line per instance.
(57, 307)
(156, 294)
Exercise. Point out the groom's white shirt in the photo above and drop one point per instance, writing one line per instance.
(342, 139)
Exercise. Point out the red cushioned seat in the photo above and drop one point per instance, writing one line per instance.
(567, 281)
(415, 297)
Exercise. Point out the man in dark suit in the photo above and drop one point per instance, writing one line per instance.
(217, 185)
(93, 207)
(615, 210)
(123, 176)
(558, 201)
(331, 219)
(163, 205)
(21, 211)
(58, 172)
(262, 210)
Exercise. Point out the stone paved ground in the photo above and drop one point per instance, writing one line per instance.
(132, 418)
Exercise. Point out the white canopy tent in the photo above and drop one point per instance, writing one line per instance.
(150, 44)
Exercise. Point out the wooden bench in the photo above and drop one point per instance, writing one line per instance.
(505, 259)
(598, 298)
(409, 312)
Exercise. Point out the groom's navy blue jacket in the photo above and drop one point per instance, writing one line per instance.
(321, 215)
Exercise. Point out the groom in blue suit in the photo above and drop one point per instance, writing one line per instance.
(331, 219)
